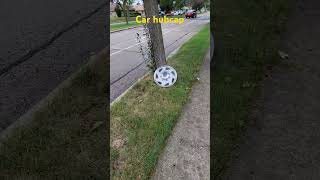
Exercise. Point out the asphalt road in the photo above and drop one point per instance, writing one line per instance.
(41, 44)
(126, 62)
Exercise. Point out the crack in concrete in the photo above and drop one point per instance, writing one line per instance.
(46, 44)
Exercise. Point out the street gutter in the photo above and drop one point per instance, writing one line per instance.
(125, 29)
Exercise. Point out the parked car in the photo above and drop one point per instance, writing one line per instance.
(191, 14)
(161, 13)
(169, 13)
(175, 13)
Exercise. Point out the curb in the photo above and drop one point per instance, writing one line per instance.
(126, 91)
(28, 116)
(124, 29)
(121, 23)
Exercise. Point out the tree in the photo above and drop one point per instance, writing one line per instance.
(206, 4)
(118, 10)
(188, 3)
(166, 5)
(179, 4)
(124, 6)
(197, 4)
(155, 31)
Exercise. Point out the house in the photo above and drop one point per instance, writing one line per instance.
(112, 9)
(138, 8)
(133, 9)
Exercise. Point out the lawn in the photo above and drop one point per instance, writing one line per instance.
(120, 19)
(67, 138)
(114, 27)
(143, 119)
(246, 45)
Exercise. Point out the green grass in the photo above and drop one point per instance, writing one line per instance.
(114, 27)
(121, 19)
(67, 138)
(246, 41)
(143, 119)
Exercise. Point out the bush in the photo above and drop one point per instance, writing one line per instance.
(118, 11)
(134, 14)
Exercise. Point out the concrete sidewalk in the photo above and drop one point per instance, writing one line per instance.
(187, 154)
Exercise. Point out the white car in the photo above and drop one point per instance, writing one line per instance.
(161, 13)
(175, 13)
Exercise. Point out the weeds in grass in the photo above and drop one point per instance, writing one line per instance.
(246, 40)
(66, 138)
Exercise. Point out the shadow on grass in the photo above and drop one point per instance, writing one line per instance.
(246, 40)
(67, 138)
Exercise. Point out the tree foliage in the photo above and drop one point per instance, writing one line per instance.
(166, 5)
(124, 5)
(179, 4)
(118, 10)
(197, 4)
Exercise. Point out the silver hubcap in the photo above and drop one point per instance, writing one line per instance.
(165, 76)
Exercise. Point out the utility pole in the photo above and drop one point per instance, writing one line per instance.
(157, 49)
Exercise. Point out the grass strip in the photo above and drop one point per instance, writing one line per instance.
(247, 37)
(121, 19)
(67, 138)
(114, 27)
(143, 119)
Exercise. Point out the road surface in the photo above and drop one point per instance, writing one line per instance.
(126, 62)
(41, 44)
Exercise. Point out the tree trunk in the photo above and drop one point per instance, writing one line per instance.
(126, 11)
(151, 9)
(128, 15)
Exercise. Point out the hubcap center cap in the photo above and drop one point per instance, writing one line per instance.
(165, 75)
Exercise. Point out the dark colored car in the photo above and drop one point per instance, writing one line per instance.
(169, 13)
(191, 14)
(161, 13)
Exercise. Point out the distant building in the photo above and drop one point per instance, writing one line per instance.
(138, 8)
(112, 9)
(132, 9)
